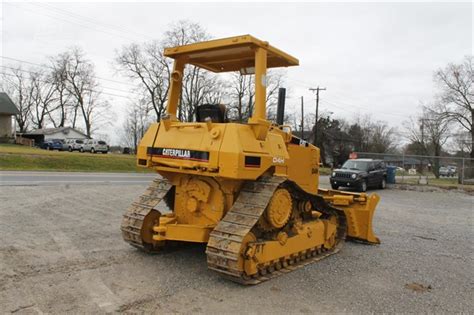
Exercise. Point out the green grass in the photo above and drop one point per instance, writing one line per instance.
(21, 158)
(446, 183)
(325, 171)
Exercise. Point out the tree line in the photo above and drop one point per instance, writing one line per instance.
(63, 92)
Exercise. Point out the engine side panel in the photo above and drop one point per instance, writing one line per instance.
(227, 150)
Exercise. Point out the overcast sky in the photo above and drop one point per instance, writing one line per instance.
(376, 58)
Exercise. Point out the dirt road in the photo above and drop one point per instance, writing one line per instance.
(61, 251)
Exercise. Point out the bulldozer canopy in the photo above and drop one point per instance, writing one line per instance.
(230, 54)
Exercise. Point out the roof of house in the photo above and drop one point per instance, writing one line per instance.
(50, 131)
(6, 105)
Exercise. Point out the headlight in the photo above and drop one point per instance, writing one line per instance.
(354, 176)
(333, 174)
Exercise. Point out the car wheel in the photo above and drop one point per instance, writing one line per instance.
(105, 152)
(383, 184)
(81, 150)
(363, 186)
(335, 187)
(69, 149)
(92, 150)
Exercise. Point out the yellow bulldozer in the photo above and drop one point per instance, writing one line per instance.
(248, 190)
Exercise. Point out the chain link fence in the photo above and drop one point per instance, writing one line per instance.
(427, 169)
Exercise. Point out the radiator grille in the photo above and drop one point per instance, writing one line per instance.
(343, 175)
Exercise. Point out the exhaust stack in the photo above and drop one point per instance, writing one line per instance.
(281, 106)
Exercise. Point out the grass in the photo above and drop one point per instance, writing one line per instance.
(21, 158)
(442, 182)
(325, 171)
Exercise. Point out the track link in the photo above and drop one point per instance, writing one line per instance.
(227, 239)
(134, 218)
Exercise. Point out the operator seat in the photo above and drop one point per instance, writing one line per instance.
(217, 113)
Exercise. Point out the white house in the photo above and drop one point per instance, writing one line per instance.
(63, 133)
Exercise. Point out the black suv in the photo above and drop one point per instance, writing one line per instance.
(360, 174)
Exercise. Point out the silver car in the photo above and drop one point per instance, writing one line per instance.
(94, 146)
(73, 145)
(447, 171)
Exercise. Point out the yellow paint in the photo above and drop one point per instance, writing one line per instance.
(262, 253)
(207, 162)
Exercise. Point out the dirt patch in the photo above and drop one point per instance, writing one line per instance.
(428, 188)
(418, 287)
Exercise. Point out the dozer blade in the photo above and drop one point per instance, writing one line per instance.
(359, 211)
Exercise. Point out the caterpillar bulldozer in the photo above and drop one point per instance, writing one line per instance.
(248, 190)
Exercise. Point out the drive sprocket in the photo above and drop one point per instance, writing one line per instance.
(278, 211)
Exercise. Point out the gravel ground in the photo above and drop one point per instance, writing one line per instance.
(61, 251)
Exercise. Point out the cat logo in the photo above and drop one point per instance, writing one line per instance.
(278, 160)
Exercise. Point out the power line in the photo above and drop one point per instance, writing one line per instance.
(49, 67)
(104, 87)
(72, 22)
(92, 21)
(90, 90)
(343, 103)
(345, 107)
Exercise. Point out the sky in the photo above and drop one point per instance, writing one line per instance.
(372, 58)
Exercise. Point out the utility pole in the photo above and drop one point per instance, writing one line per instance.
(302, 118)
(422, 144)
(317, 109)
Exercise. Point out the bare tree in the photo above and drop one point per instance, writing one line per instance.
(382, 138)
(242, 92)
(457, 94)
(238, 91)
(59, 74)
(136, 123)
(151, 70)
(84, 88)
(429, 132)
(18, 87)
(275, 80)
(367, 135)
(184, 32)
(197, 82)
(42, 97)
(146, 65)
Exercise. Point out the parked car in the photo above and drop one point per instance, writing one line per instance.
(54, 144)
(94, 146)
(447, 171)
(360, 174)
(73, 145)
(453, 169)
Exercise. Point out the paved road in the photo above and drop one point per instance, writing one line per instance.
(21, 178)
(11, 178)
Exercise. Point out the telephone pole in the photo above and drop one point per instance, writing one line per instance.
(315, 137)
(302, 118)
